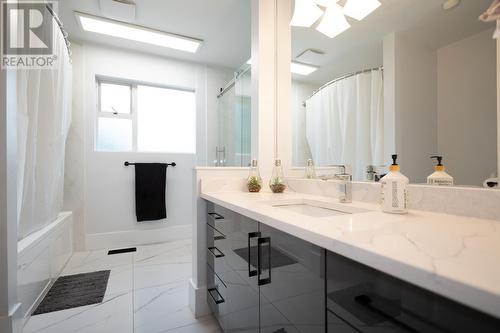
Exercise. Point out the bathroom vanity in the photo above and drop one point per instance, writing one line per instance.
(303, 263)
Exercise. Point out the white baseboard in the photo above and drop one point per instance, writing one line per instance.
(13, 323)
(110, 240)
(198, 300)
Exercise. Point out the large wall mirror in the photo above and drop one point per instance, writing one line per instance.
(413, 77)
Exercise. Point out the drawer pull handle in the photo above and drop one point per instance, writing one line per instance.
(220, 235)
(219, 296)
(367, 302)
(214, 249)
(216, 216)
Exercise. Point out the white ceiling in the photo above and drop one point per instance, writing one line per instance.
(223, 25)
(360, 47)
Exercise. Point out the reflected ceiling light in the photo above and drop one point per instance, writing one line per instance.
(359, 9)
(302, 69)
(325, 3)
(137, 33)
(333, 22)
(297, 68)
(306, 12)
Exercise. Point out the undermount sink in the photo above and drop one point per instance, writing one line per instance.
(315, 208)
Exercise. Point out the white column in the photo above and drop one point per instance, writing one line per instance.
(263, 84)
(284, 84)
(498, 101)
(10, 313)
(271, 84)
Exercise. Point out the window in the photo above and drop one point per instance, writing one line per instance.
(136, 117)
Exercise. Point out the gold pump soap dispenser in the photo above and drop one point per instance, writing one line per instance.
(439, 176)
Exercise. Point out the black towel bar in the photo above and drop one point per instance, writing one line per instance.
(127, 163)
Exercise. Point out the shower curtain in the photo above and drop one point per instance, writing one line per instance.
(345, 123)
(43, 117)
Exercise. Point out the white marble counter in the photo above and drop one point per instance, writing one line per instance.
(453, 256)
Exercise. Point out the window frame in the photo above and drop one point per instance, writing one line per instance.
(133, 115)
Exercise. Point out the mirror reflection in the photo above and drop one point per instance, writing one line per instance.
(415, 78)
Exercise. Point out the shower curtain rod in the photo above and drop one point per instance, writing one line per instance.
(59, 23)
(232, 82)
(381, 68)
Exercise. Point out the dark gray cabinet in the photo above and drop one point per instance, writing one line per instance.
(362, 299)
(232, 294)
(292, 290)
(261, 279)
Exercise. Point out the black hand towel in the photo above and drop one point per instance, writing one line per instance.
(150, 184)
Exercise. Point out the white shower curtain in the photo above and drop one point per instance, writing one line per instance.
(43, 117)
(345, 123)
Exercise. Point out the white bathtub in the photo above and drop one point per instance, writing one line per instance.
(41, 258)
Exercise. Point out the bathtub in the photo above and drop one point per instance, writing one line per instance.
(41, 258)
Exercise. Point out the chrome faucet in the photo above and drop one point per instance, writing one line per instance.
(345, 184)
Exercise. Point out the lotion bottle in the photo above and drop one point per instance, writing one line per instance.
(395, 190)
(439, 176)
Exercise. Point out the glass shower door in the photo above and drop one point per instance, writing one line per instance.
(234, 122)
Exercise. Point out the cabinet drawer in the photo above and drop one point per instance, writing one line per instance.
(372, 301)
(214, 219)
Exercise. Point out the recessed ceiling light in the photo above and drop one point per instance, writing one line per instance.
(297, 68)
(359, 9)
(137, 33)
(333, 22)
(450, 4)
(306, 12)
(302, 69)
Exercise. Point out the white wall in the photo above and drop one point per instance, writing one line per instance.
(467, 112)
(415, 107)
(10, 308)
(300, 147)
(107, 211)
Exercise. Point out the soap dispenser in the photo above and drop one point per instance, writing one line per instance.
(395, 190)
(439, 176)
(310, 171)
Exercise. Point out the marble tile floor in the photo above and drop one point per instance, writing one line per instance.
(147, 293)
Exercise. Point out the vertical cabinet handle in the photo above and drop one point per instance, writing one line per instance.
(250, 236)
(260, 242)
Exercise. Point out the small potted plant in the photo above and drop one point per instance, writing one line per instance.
(254, 181)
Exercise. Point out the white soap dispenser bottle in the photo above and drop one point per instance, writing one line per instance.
(395, 190)
(439, 176)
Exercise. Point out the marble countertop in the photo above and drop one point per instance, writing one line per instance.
(454, 256)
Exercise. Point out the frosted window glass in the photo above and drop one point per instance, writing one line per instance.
(115, 98)
(114, 134)
(166, 120)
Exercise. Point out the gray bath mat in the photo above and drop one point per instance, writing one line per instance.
(76, 290)
(278, 259)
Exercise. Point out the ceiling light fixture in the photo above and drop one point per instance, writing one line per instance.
(297, 68)
(450, 4)
(359, 9)
(306, 12)
(302, 69)
(325, 3)
(137, 33)
(333, 22)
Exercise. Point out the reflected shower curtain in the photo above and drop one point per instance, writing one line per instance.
(43, 117)
(345, 123)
